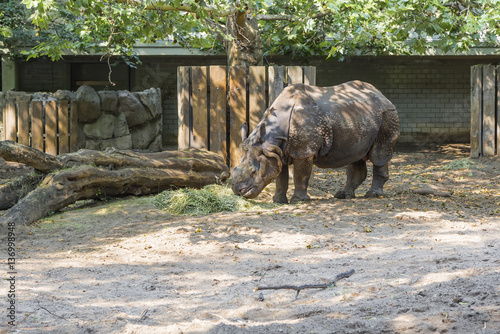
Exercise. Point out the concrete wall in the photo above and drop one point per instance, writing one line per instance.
(432, 94)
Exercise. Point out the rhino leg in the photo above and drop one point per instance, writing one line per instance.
(381, 152)
(380, 177)
(356, 174)
(281, 186)
(301, 174)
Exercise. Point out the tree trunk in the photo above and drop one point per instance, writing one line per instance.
(246, 47)
(89, 174)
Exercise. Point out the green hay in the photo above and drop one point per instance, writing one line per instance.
(210, 199)
(459, 164)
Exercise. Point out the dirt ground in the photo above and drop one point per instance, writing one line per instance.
(423, 263)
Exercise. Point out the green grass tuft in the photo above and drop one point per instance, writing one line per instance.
(459, 164)
(210, 199)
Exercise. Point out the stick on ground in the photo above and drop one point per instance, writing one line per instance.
(298, 288)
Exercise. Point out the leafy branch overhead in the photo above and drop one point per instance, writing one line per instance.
(335, 28)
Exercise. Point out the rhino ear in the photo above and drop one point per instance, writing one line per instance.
(244, 131)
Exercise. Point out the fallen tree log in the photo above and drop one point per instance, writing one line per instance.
(89, 174)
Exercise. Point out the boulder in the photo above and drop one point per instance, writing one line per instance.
(144, 135)
(121, 127)
(121, 143)
(109, 101)
(133, 109)
(89, 104)
(64, 95)
(151, 99)
(103, 128)
(156, 144)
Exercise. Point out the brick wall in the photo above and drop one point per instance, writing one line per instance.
(432, 94)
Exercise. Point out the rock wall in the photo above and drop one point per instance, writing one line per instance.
(119, 119)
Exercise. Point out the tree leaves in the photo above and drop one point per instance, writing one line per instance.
(333, 28)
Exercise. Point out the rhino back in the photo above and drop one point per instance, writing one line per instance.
(336, 124)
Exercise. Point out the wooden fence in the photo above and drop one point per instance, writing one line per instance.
(485, 110)
(49, 126)
(214, 101)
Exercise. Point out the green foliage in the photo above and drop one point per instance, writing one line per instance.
(334, 28)
(210, 199)
(15, 27)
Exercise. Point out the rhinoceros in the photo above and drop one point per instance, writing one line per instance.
(330, 127)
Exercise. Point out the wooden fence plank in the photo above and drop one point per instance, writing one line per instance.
(51, 127)
(10, 128)
(294, 75)
(37, 125)
(476, 108)
(257, 95)
(489, 110)
(23, 122)
(183, 107)
(310, 75)
(218, 100)
(276, 82)
(63, 127)
(498, 112)
(237, 111)
(4, 133)
(73, 127)
(199, 103)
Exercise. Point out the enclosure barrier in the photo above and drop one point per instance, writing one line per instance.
(485, 110)
(49, 126)
(214, 101)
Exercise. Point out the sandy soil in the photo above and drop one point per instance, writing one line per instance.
(423, 263)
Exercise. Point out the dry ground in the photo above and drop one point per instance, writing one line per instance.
(424, 264)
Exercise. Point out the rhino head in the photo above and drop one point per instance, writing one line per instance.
(260, 164)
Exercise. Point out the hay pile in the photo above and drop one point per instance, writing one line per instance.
(210, 199)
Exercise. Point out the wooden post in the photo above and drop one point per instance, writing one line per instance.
(497, 133)
(257, 95)
(237, 111)
(218, 100)
(294, 75)
(199, 103)
(73, 127)
(183, 107)
(276, 82)
(310, 75)
(476, 111)
(23, 122)
(63, 127)
(9, 124)
(37, 125)
(489, 110)
(51, 127)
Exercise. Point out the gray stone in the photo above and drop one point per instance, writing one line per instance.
(121, 126)
(143, 136)
(18, 96)
(103, 128)
(133, 109)
(109, 101)
(121, 143)
(81, 137)
(156, 145)
(93, 144)
(64, 95)
(151, 99)
(89, 104)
